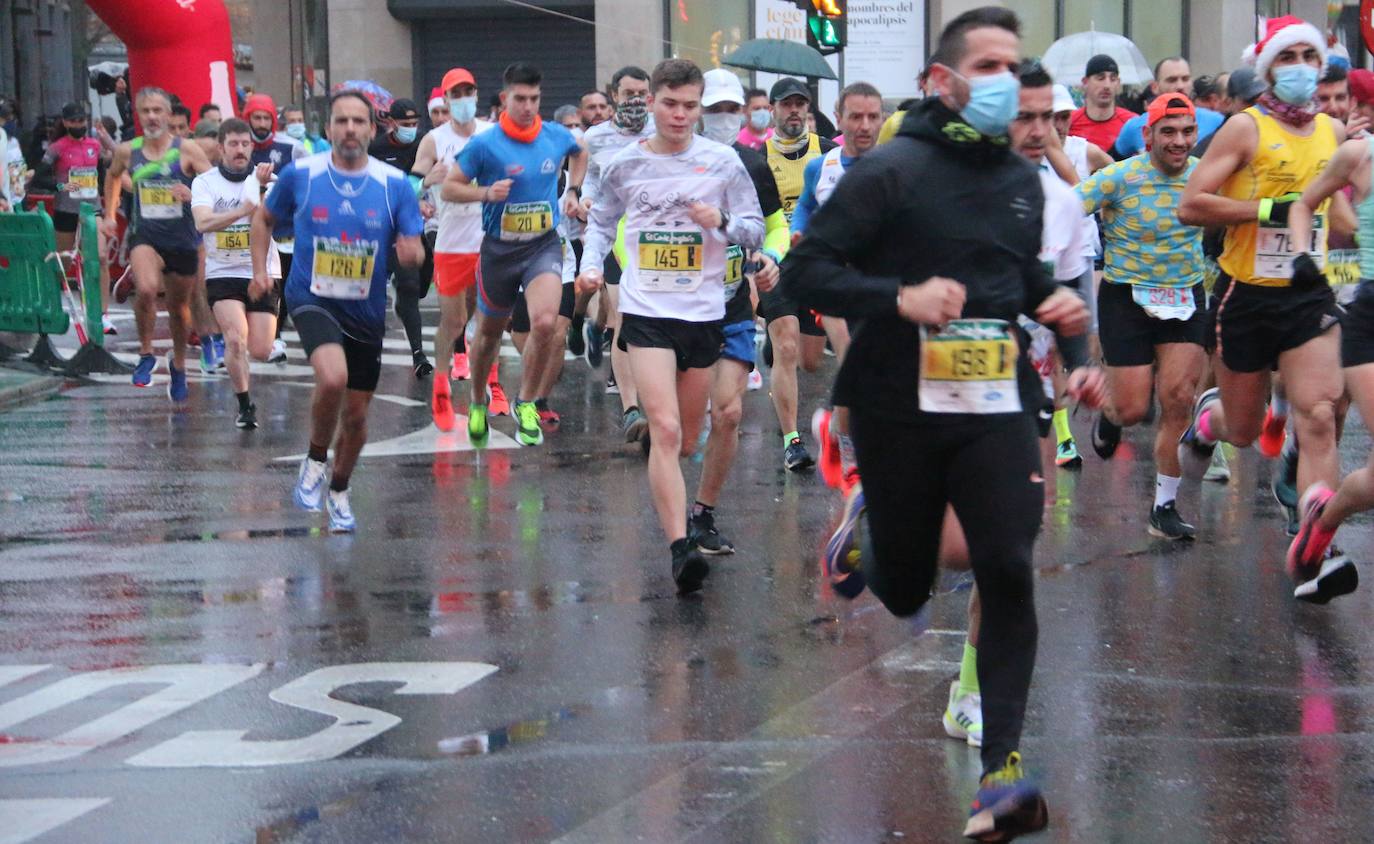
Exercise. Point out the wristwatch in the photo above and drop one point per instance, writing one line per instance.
(576, 189)
(724, 219)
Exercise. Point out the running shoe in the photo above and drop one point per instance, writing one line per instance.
(278, 354)
(460, 370)
(247, 418)
(1272, 433)
(830, 448)
(1166, 523)
(309, 485)
(441, 405)
(107, 325)
(176, 382)
(124, 288)
(795, 457)
(207, 357)
(1219, 471)
(478, 431)
(701, 531)
(963, 718)
(527, 430)
(577, 343)
(1008, 804)
(768, 350)
(143, 373)
(612, 388)
(1106, 437)
(689, 569)
(1308, 549)
(1193, 454)
(1336, 577)
(218, 340)
(594, 348)
(1285, 489)
(1066, 456)
(548, 417)
(423, 368)
(850, 480)
(340, 513)
(635, 425)
(499, 405)
(193, 339)
(755, 381)
(841, 561)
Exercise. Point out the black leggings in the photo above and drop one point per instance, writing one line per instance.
(283, 313)
(412, 285)
(989, 470)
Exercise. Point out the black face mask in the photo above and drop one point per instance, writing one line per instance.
(261, 136)
(77, 132)
(231, 175)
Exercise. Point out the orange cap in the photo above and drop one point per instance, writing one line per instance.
(1169, 105)
(457, 76)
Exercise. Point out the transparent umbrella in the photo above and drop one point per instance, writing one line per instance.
(1067, 57)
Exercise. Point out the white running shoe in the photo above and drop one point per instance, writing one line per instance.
(1219, 471)
(341, 514)
(963, 718)
(309, 485)
(278, 354)
(755, 380)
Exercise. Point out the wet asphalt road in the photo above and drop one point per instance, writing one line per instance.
(508, 661)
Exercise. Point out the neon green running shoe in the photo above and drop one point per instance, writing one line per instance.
(477, 425)
(527, 430)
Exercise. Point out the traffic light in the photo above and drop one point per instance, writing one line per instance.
(827, 25)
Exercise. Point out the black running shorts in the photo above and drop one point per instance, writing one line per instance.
(1129, 334)
(317, 327)
(697, 344)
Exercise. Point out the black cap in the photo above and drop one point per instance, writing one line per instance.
(1101, 63)
(788, 87)
(73, 111)
(1244, 85)
(402, 109)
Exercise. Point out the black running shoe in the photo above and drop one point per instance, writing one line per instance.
(701, 531)
(1106, 436)
(247, 418)
(1166, 523)
(689, 569)
(423, 368)
(795, 457)
(577, 344)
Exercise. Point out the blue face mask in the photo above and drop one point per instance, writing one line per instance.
(406, 134)
(1295, 84)
(993, 102)
(462, 109)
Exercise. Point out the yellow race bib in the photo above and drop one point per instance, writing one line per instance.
(343, 270)
(526, 220)
(969, 367)
(670, 261)
(156, 201)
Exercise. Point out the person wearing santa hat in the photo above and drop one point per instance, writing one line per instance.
(438, 109)
(1275, 308)
(458, 240)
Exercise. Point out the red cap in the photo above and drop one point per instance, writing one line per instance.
(1362, 85)
(1169, 105)
(457, 76)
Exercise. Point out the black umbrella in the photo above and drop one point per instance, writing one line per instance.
(775, 55)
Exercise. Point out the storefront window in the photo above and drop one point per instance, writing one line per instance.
(1157, 29)
(310, 59)
(1037, 24)
(707, 31)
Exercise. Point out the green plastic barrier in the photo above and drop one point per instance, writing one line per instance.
(90, 275)
(30, 291)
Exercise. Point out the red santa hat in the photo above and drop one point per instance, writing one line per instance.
(436, 99)
(1280, 34)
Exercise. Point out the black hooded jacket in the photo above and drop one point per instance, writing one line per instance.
(938, 200)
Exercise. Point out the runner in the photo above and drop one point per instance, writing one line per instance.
(686, 199)
(222, 202)
(180, 124)
(74, 162)
(1100, 119)
(887, 248)
(293, 116)
(594, 108)
(514, 174)
(722, 106)
(758, 125)
(859, 111)
(1172, 76)
(1270, 313)
(163, 244)
(399, 147)
(458, 240)
(348, 211)
(795, 337)
(1151, 304)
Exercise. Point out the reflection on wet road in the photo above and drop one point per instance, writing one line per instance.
(498, 654)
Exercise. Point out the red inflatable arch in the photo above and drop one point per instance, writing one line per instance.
(182, 46)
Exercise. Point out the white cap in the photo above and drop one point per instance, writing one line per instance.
(722, 86)
(1063, 100)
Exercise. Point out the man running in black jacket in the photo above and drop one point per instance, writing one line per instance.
(930, 245)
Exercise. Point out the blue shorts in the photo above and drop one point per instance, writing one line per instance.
(739, 343)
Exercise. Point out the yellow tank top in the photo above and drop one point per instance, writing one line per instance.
(1261, 254)
(791, 173)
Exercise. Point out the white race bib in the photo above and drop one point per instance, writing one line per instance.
(156, 201)
(670, 261)
(342, 270)
(1165, 302)
(525, 220)
(1275, 250)
(83, 183)
(969, 367)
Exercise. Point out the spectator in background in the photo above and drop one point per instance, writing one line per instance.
(758, 125)
(12, 167)
(125, 106)
(295, 127)
(594, 107)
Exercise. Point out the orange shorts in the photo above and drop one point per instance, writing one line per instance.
(454, 272)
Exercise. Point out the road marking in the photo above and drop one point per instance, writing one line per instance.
(353, 724)
(427, 440)
(403, 401)
(185, 685)
(25, 820)
(15, 673)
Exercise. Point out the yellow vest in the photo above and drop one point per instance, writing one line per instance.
(790, 174)
(1283, 163)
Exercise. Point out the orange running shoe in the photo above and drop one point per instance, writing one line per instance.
(1272, 433)
(499, 405)
(441, 403)
(830, 450)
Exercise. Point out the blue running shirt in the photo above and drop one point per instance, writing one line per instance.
(531, 210)
(345, 226)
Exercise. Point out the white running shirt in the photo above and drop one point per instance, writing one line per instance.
(226, 251)
(1061, 241)
(460, 223)
(674, 268)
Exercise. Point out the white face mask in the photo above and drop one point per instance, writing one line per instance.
(295, 130)
(759, 117)
(723, 127)
(462, 109)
